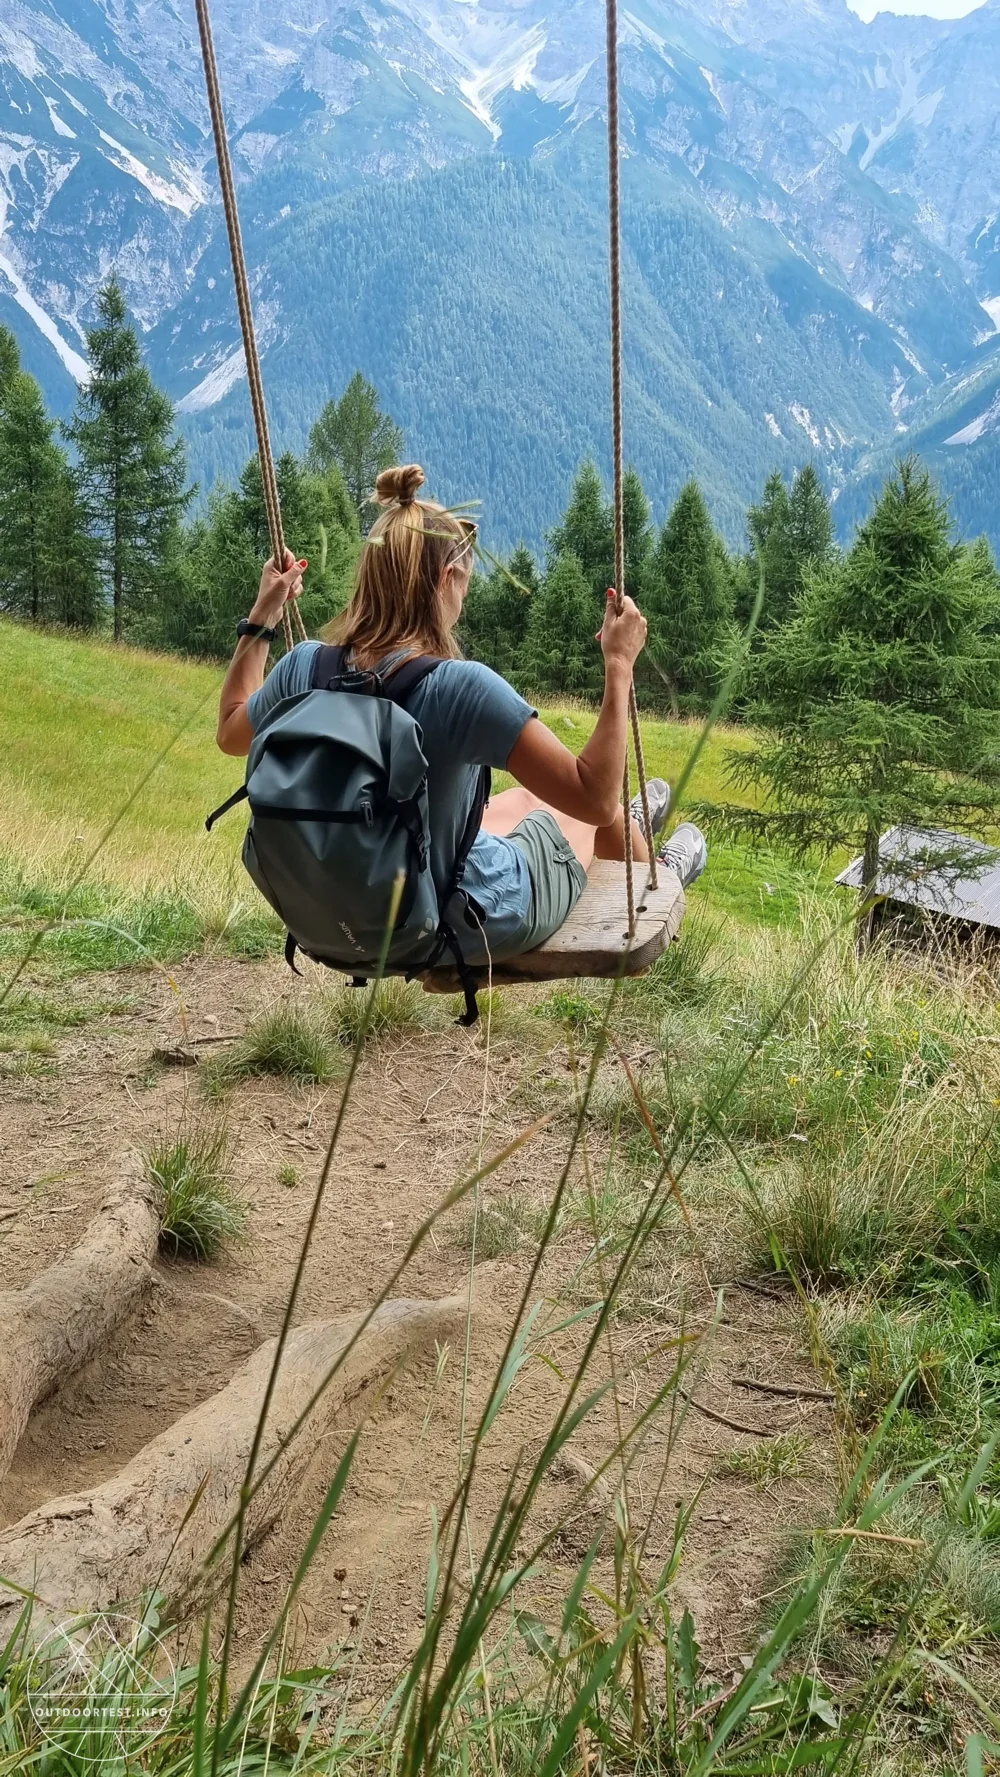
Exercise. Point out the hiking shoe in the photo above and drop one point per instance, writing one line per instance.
(658, 794)
(685, 852)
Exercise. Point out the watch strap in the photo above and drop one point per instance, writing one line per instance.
(256, 631)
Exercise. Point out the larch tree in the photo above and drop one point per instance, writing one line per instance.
(355, 436)
(132, 466)
(879, 702)
(47, 568)
(688, 603)
(560, 653)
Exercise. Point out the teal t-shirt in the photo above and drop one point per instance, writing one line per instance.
(469, 717)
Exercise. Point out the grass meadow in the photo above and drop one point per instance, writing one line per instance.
(812, 1120)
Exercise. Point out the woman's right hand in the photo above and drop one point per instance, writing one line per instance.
(623, 635)
(276, 589)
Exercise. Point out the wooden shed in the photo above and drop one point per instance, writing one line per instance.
(935, 877)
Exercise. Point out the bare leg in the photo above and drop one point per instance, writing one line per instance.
(508, 809)
(610, 841)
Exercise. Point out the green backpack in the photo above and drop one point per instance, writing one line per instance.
(337, 786)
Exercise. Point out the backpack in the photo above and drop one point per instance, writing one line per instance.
(337, 785)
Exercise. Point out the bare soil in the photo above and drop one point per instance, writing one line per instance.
(412, 1130)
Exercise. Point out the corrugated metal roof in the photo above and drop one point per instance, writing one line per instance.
(942, 872)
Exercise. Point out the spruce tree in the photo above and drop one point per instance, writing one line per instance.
(10, 360)
(587, 530)
(47, 568)
(497, 612)
(69, 553)
(215, 579)
(356, 437)
(880, 699)
(639, 539)
(132, 467)
(560, 653)
(769, 525)
(790, 532)
(810, 523)
(688, 603)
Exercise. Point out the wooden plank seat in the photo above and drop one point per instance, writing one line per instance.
(594, 940)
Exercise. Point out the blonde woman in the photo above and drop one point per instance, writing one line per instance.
(528, 865)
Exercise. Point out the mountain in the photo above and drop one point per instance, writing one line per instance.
(810, 256)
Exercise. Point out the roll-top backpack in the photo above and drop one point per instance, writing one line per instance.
(337, 786)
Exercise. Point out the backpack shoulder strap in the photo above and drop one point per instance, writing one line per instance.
(328, 664)
(404, 679)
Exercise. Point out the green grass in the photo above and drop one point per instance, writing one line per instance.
(202, 1213)
(91, 717)
(824, 1117)
(293, 1041)
(784, 1458)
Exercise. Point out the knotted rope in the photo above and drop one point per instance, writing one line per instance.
(618, 430)
(268, 475)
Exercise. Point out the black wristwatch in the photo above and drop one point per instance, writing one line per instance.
(258, 632)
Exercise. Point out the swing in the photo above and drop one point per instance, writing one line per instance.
(609, 933)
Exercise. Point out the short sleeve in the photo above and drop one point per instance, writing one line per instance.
(482, 715)
(289, 677)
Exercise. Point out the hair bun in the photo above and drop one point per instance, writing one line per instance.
(399, 486)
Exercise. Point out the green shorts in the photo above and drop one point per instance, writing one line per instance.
(558, 878)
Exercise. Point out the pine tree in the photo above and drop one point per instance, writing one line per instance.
(587, 530)
(497, 612)
(639, 540)
(46, 561)
(356, 437)
(810, 523)
(69, 553)
(560, 653)
(769, 525)
(688, 602)
(880, 699)
(216, 576)
(10, 360)
(131, 465)
(790, 532)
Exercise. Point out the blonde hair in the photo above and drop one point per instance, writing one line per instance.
(396, 602)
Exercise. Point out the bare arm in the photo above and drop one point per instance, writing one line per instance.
(588, 787)
(246, 669)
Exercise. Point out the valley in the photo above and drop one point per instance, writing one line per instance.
(812, 254)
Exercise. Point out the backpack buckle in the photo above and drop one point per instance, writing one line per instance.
(368, 812)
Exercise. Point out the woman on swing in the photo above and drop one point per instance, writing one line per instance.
(528, 866)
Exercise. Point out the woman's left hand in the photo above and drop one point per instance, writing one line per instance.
(276, 589)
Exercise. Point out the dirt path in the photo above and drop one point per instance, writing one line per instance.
(412, 1130)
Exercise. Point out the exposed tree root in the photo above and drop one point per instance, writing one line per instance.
(55, 1325)
(103, 1548)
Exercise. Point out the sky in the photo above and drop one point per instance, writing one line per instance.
(939, 9)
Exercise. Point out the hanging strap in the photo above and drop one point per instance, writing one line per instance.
(618, 444)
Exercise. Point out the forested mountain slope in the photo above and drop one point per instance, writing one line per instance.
(810, 250)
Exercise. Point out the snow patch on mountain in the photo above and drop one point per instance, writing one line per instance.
(992, 306)
(78, 367)
(984, 422)
(215, 385)
(804, 418)
(185, 196)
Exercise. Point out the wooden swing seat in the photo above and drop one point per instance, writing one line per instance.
(593, 943)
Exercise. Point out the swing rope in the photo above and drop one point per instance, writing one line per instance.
(268, 475)
(618, 443)
(265, 456)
